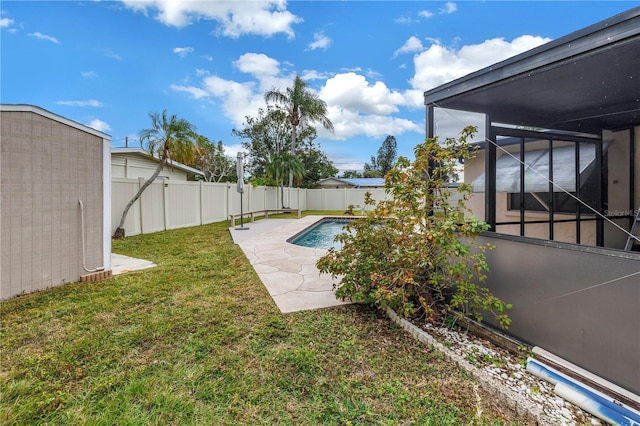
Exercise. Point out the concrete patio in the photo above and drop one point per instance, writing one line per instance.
(287, 271)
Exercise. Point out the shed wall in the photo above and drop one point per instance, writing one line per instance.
(46, 168)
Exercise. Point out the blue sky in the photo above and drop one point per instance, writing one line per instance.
(108, 64)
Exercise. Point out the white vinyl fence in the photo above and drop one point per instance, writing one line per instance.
(177, 204)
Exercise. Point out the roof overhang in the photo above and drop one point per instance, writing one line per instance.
(584, 82)
(144, 154)
(55, 117)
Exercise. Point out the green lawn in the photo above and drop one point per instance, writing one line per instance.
(198, 340)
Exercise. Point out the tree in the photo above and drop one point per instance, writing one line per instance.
(316, 164)
(262, 136)
(381, 164)
(301, 107)
(211, 160)
(170, 139)
(283, 164)
(404, 256)
(266, 135)
(348, 174)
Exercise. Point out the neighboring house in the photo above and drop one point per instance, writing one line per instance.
(134, 163)
(54, 176)
(334, 182)
(570, 110)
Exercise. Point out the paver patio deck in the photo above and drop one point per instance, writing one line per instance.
(287, 271)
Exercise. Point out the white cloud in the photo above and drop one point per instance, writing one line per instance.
(88, 74)
(357, 103)
(99, 125)
(257, 64)
(449, 7)
(233, 150)
(182, 51)
(348, 124)
(425, 14)
(196, 92)
(413, 44)
(308, 75)
(5, 22)
(112, 55)
(41, 36)
(439, 64)
(236, 18)
(87, 103)
(320, 41)
(405, 20)
(238, 99)
(353, 92)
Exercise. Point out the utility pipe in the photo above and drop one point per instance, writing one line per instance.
(592, 405)
(84, 260)
(585, 397)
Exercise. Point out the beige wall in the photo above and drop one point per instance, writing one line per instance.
(618, 187)
(46, 167)
(134, 166)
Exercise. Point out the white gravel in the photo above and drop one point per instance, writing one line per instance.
(502, 374)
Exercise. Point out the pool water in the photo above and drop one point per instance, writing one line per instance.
(321, 235)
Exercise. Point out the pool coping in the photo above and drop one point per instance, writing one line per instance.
(288, 271)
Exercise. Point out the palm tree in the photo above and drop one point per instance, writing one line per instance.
(172, 139)
(302, 106)
(282, 164)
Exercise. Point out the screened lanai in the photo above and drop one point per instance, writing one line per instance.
(557, 178)
(560, 155)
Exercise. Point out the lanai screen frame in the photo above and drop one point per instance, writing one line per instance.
(577, 87)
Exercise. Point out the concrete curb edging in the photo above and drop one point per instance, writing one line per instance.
(522, 408)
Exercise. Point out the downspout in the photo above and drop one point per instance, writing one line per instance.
(84, 259)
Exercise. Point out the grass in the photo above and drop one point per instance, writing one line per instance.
(198, 340)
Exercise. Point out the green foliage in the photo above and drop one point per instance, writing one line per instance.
(266, 136)
(349, 174)
(210, 159)
(302, 107)
(170, 139)
(281, 165)
(381, 164)
(416, 250)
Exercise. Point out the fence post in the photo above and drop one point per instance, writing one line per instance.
(165, 202)
(200, 204)
(140, 183)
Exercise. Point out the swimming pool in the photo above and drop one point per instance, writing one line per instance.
(321, 234)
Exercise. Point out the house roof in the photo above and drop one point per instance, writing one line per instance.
(584, 82)
(52, 116)
(142, 153)
(357, 182)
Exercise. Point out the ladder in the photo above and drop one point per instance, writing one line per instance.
(634, 236)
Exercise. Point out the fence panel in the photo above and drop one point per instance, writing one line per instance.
(178, 195)
(122, 191)
(176, 204)
(213, 204)
(152, 208)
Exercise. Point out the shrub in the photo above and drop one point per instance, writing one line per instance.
(416, 251)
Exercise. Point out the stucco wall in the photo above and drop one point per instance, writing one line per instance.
(46, 168)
